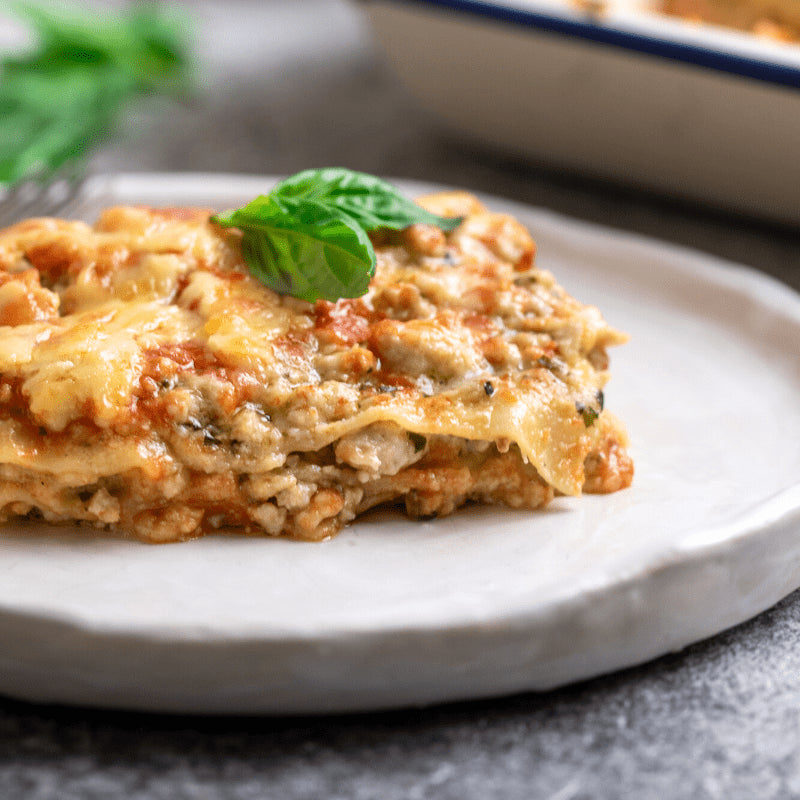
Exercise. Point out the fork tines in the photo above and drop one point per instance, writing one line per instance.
(39, 198)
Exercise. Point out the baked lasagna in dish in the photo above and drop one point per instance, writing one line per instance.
(150, 385)
(774, 19)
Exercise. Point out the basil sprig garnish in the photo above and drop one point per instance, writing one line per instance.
(65, 94)
(308, 236)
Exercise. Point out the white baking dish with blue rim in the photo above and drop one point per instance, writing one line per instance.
(691, 111)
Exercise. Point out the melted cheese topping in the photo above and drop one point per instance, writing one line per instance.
(146, 333)
(773, 19)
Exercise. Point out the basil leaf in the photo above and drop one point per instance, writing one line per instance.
(313, 256)
(308, 237)
(371, 202)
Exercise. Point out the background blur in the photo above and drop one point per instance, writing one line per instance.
(283, 85)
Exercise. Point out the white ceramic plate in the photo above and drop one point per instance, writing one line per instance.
(488, 601)
(692, 111)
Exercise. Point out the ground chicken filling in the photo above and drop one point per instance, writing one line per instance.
(149, 385)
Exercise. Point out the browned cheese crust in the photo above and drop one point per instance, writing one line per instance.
(774, 19)
(150, 385)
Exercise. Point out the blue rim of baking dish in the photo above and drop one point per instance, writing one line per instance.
(592, 29)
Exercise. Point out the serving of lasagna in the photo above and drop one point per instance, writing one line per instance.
(150, 385)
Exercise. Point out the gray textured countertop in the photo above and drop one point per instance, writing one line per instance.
(295, 84)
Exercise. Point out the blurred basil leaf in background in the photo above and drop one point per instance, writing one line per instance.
(61, 99)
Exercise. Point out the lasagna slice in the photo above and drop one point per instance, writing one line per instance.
(149, 384)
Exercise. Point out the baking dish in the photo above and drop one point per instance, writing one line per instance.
(691, 111)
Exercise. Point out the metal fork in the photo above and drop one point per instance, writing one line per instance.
(41, 196)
